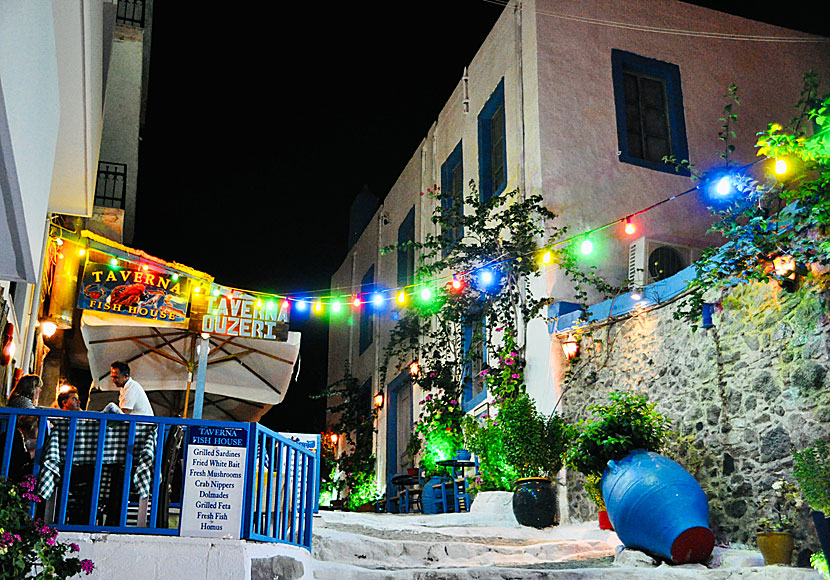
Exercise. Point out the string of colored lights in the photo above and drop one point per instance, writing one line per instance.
(356, 296)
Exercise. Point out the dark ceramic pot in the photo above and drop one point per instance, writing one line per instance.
(822, 522)
(534, 502)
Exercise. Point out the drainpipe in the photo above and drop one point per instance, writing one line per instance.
(34, 302)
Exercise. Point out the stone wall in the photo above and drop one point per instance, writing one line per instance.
(745, 393)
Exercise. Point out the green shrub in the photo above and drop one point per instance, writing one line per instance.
(811, 469)
(627, 423)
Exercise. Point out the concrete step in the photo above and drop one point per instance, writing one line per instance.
(333, 571)
(491, 545)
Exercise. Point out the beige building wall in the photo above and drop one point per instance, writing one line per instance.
(561, 135)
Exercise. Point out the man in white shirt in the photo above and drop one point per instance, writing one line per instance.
(132, 399)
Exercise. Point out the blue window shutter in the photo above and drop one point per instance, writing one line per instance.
(648, 101)
(406, 253)
(475, 390)
(452, 192)
(492, 145)
(366, 335)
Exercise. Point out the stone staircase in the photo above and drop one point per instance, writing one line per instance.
(489, 544)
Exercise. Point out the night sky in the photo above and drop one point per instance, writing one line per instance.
(263, 124)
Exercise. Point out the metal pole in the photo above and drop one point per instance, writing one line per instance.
(199, 401)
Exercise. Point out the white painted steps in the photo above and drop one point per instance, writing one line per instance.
(490, 544)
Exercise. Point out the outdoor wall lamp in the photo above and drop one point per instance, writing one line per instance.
(414, 368)
(788, 271)
(333, 438)
(379, 400)
(570, 348)
(48, 328)
(7, 345)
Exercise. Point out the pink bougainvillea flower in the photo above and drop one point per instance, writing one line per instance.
(516, 376)
(87, 566)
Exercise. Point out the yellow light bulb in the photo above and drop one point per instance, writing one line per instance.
(546, 257)
(780, 166)
(401, 297)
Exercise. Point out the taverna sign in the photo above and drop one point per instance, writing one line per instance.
(247, 315)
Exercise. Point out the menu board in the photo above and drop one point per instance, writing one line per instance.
(214, 482)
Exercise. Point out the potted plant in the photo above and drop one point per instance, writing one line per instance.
(775, 538)
(653, 502)
(811, 469)
(534, 446)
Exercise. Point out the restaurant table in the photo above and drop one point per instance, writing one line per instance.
(409, 494)
(460, 496)
(85, 451)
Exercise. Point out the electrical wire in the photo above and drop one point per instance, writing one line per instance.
(663, 30)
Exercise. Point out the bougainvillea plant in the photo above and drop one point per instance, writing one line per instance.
(777, 225)
(28, 547)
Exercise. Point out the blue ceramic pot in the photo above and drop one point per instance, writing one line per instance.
(657, 506)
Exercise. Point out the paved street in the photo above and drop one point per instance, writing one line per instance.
(486, 546)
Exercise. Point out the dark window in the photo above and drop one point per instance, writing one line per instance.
(367, 286)
(492, 145)
(649, 106)
(474, 358)
(406, 253)
(452, 194)
(363, 436)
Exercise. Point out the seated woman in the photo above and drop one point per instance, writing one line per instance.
(24, 396)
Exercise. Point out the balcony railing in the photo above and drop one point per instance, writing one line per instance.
(111, 186)
(130, 13)
(81, 462)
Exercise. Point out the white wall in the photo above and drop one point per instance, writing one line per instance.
(165, 557)
(29, 84)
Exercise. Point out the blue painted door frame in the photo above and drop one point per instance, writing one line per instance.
(400, 383)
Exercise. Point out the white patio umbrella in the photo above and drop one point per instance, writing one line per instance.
(244, 378)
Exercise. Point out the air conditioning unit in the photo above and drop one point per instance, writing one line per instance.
(652, 260)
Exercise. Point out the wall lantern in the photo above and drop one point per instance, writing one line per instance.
(48, 328)
(7, 345)
(789, 271)
(570, 348)
(333, 438)
(414, 368)
(379, 400)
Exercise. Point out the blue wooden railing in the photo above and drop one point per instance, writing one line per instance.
(101, 448)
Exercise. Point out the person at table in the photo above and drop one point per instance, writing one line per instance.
(68, 399)
(131, 399)
(26, 392)
(25, 395)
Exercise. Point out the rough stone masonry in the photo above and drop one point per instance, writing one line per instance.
(741, 395)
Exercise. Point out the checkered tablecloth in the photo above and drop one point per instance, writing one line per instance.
(86, 449)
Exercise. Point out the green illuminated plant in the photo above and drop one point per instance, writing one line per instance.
(483, 437)
(819, 562)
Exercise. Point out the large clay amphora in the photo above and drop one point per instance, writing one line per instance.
(657, 506)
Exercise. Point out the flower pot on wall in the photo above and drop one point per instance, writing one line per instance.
(534, 502)
(776, 547)
(656, 505)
